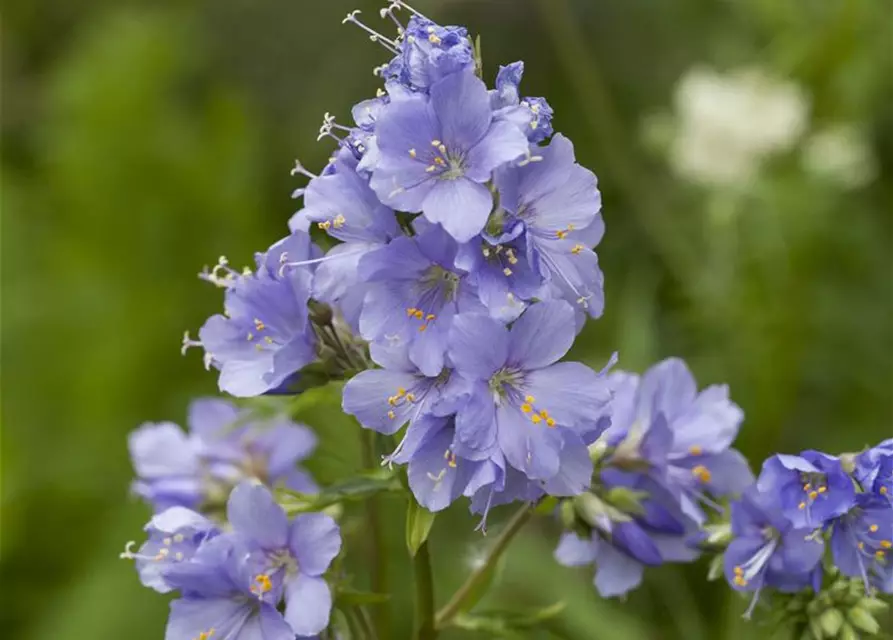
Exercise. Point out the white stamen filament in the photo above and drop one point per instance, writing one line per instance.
(374, 35)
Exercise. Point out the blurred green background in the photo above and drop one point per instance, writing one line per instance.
(141, 140)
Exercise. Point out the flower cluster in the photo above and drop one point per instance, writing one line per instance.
(665, 456)
(781, 524)
(458, 270)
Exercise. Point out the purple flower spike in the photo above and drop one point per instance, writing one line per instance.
(428, 53)
(813, 488)
(437, 153)
(292, 556)
(874, 470)
(522, 401)
(264, 336)
(767, 550)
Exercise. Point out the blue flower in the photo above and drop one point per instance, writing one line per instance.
(862, 542)
(532, 115)
(622, 544)
(436, 154)
(874, 470)
(174, 536)
(812, 488)
(221, 597)
(342, 204)
(289, 558)
(225, 445)
(414, 293)
(521, 401)
(428, 53)
(558, 201)
(767, 550)
(264, 336)
(501, 271)
(386, 399)
(685, 435)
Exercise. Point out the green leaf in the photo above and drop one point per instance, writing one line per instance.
(716, 568)
(418, 525)
(352, 490)
(478, 57)
(546, 506)
(350, 597)
(506, 623)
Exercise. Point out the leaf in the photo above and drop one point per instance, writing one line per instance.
(716, 568)
(351, 597)
(352, 490)
(546, 506)
(507, 623)
(418, 525)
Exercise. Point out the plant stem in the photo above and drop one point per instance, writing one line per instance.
(379, 544)
(458, 601)
(424, 595)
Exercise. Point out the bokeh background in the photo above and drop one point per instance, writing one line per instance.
(141, 140)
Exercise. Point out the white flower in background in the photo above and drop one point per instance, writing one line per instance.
(840, 154)
(727, 124)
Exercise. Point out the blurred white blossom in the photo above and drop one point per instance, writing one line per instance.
(840, 154)
(727, 124)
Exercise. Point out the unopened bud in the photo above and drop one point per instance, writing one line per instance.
(831, 621)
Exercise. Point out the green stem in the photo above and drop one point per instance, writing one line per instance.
(380, 582)
(423, 624)
(458, 601)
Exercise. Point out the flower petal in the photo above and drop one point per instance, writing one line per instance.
(308, 604)
(478, 345)
(254, 514)
(542, 335)
(461, 206)
(315, 540)
(462, 105)
(574, 551)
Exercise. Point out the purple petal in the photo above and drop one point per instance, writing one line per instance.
(433, 473)
(254, 514)
(460, 205)
(542, 335)
(669, 388)
(366, 396)
(308, 604)
(190, 617)
(161, 449)
(616, 573)
(315, 540)
(476, 431)
(531, 448)
(711, 423)
(571, 392)
(574, 551)
(462, 105)
(575, 473)
(478, 345)
(503, 143)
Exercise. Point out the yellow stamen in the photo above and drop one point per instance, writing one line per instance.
(861, 546)
(813, 495)
(411, 311)
(535, 419)
(507, 271)
(433, 39)
(739, 571)
(577, 249)
(419, 314)
(823, 489)
(442, 148)
(695, 450)
(740, 581)
(430, 168)
(391, 415)
(544, 413)
(879, 554)
(873, 528)
(526, 408)
(702, 473)
(436, 143)
(410, 397)
(430, 317)
(801, 506)
(529, 399)
(883, 491)
(550, 422)
(259, 325)
(401, 392)
(807, 487)
(886, 544)
(412, 153)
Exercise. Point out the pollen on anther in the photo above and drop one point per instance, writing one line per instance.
(873, 528)
(801, 506)
(823, 489)
(526, 408)
(391, 414)
(883, 491)
(702, 473)
(535, 418)
(550, 422)
(695, 450)
(577, 249)
(529, 399)
(813, 495)
(507, 271)
(412, 153)
(880, 554)
(886, 544)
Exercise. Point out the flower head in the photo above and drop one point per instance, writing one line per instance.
(221, 597)
(874, 470)
(521, 401)
(174, 536)
(224, 446)
(264, 335)
(414, 293)
(862, 542)
(767, 550)
(289, 558)
(428, 53)
(532, 115)
(435, 154)
(813, 488)
(558, 202)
